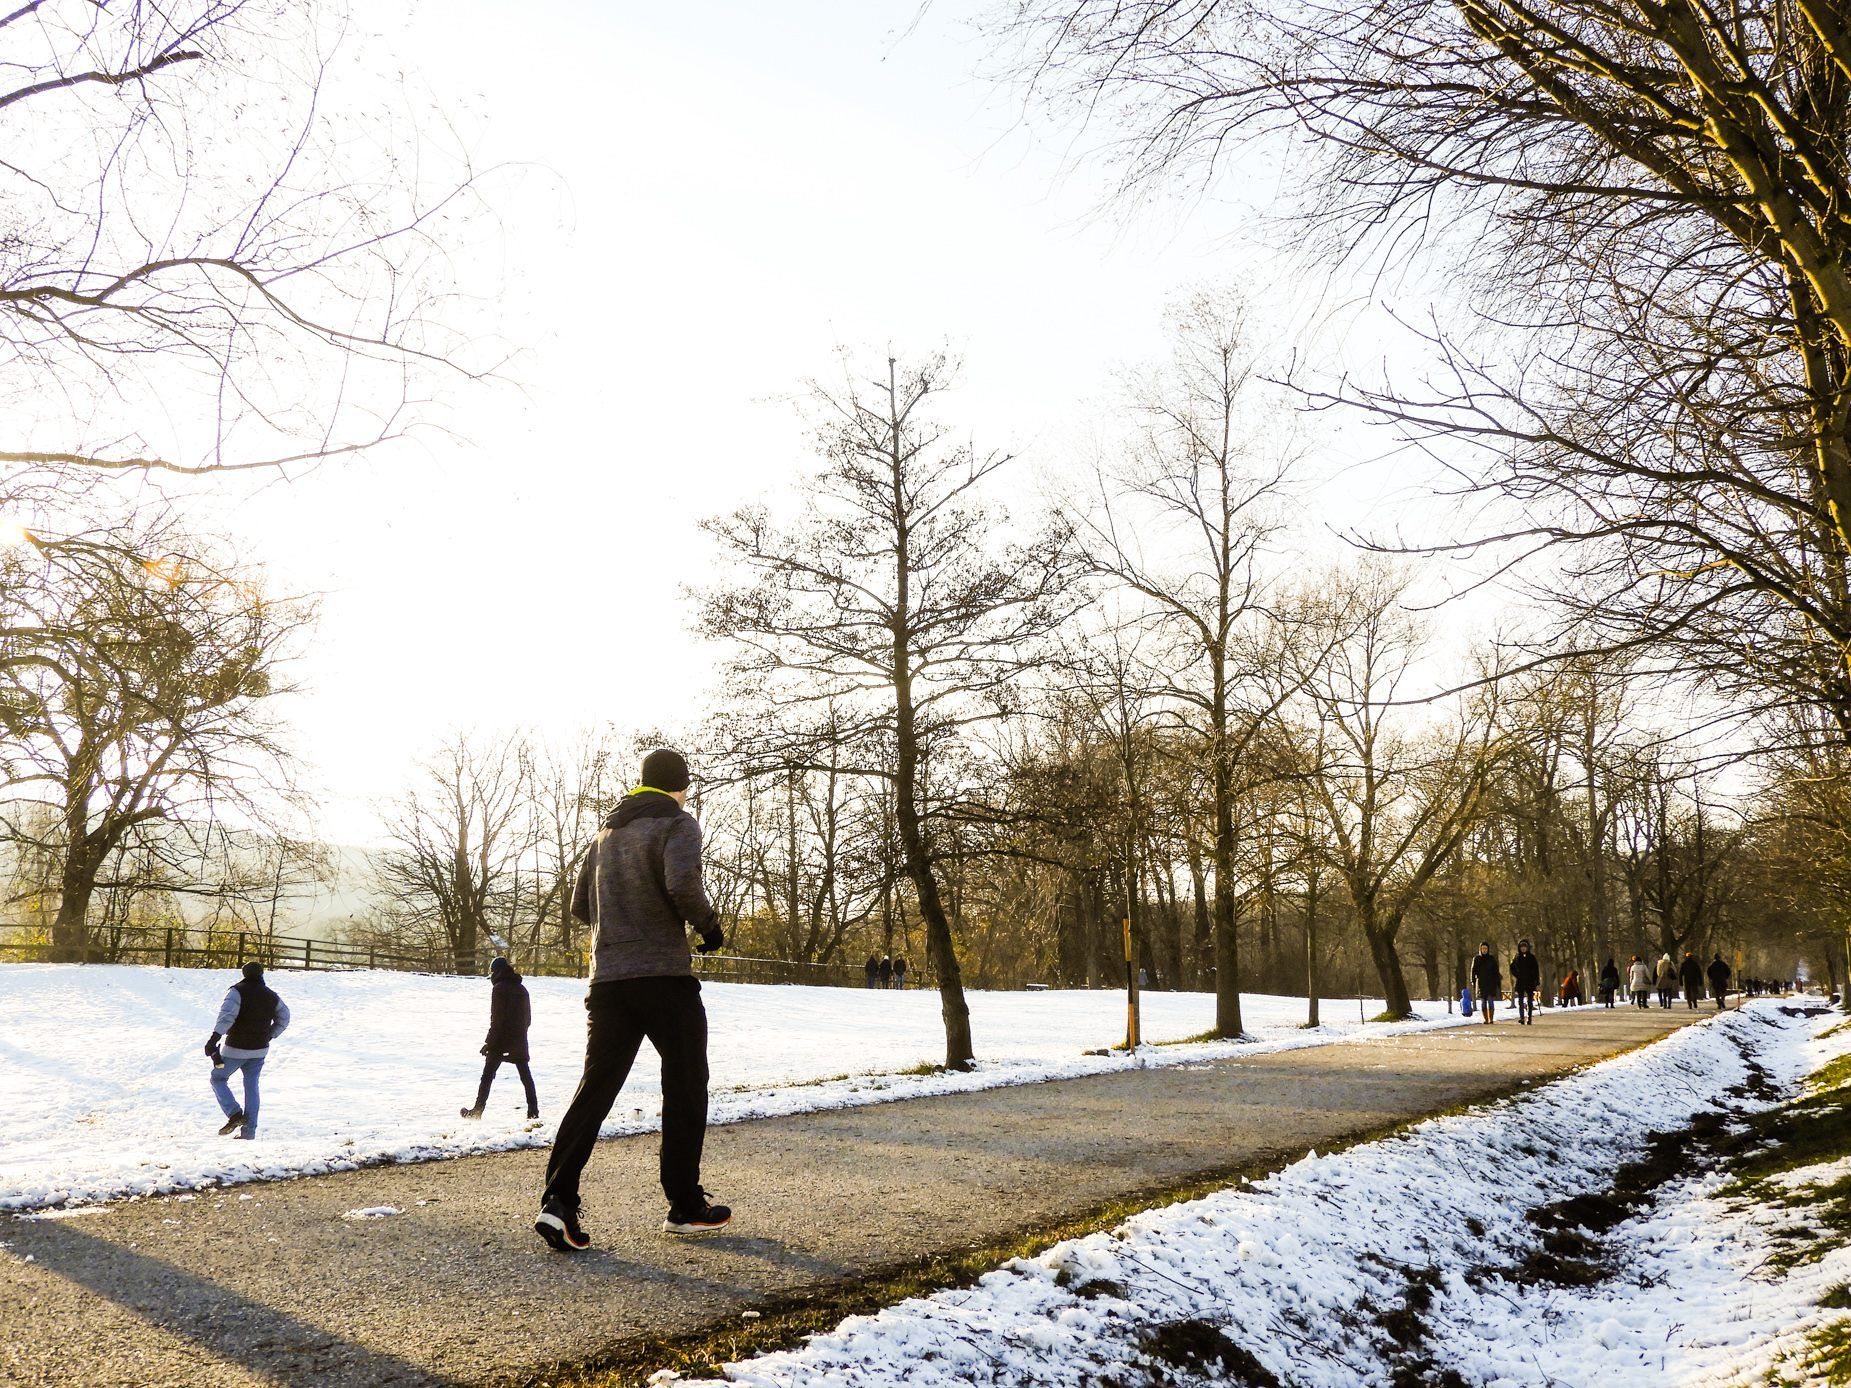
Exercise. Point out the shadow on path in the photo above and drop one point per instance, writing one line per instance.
(270, 1343)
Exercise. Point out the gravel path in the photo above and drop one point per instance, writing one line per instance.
(271, 1284)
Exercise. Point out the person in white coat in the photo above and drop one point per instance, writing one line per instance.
(1639, 982)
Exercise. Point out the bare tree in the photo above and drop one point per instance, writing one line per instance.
(1184, 524)
(458, 835)
(1397, 800)
(570, 784)
(194, 214)
(897, 601)
(1645, 203)
(138, 669)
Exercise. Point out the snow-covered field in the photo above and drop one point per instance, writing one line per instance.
(103, 1085)
(1400, 1254)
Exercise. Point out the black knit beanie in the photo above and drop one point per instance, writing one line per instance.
(665, 770)
(254, 971)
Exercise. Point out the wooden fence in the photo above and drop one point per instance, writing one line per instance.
(176, 947)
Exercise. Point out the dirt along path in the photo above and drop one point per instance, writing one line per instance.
(275, 1284)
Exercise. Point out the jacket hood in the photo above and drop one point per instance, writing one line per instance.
(641, 804)
(510, 974)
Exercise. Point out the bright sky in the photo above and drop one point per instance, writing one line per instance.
(722, 192)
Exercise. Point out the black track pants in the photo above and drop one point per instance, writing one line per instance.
(668, 1012)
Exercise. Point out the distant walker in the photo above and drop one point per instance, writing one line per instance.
(510, 1013)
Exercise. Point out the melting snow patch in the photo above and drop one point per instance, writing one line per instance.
(374, 1212)
(68, 1212)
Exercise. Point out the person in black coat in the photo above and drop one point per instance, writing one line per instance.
(1609, 981)
(1525, 980)
(1719, 982)
(886, 971)
(1690, 975)
(872, 969)
(509, 1014)
(1487, 982)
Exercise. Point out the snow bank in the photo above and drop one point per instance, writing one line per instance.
(103, 1082)
(1293, 1275)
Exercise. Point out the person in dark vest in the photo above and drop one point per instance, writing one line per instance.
(886, 972)
(899, 973)
(509, 1014)
(1719, 981)
(640, 889)
(249, 1019)
(1525, 979)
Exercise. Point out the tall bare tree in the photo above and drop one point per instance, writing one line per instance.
(897, 600)
(1397, 800)
(1184, 523)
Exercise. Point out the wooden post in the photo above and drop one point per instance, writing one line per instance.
(1131, 994)
(167, 952)
(308, 949)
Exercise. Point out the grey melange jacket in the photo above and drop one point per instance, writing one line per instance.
(640, 887)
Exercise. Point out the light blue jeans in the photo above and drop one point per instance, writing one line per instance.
(223, 1071)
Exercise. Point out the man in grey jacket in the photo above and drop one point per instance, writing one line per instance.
(249, 1019)
(640, 888)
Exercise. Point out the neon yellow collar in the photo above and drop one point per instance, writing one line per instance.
(651, 790)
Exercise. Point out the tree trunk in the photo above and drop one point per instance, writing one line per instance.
(70, 931)
(941, 949)
(463, 947)
(1381, 938)
(1198, 882)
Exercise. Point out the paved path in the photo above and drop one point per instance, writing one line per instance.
(268, 1284)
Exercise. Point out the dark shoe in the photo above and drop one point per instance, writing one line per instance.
(533, 1114)
(704, 1218)
(558, 1225)
(232, 1123)
(469, 1113)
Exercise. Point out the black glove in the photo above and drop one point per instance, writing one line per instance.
(212, 1045)
(711, 939)
(485, 1048)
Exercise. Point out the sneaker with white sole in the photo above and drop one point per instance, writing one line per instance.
(704, 1218)
(558, 1224)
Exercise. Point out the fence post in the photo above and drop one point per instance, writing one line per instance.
(241, 949)
(370, 952)
(308, 948)
(167, 953)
